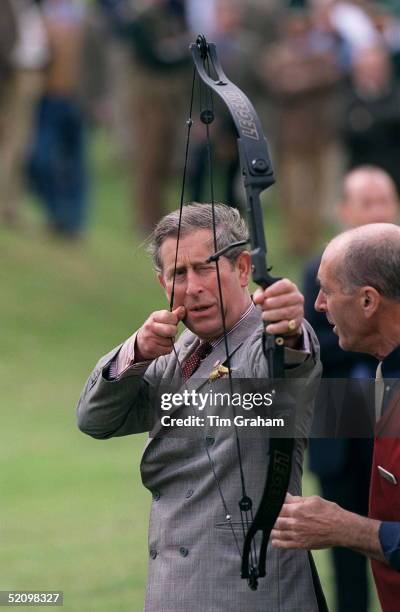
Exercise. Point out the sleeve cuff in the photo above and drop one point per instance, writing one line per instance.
(295, 357)
(389, 537)
(123, 361)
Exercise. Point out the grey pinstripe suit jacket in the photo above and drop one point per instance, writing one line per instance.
(194, 565)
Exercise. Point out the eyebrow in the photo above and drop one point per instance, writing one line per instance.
(196, 264)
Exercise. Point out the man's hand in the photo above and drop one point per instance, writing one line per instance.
(307, 522)
(283, 308)
(156, 336)
(312, 523)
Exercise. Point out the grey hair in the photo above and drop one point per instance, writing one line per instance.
(230, 227)
(373, 261)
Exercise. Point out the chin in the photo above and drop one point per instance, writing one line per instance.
(205, 331)
(346, 345)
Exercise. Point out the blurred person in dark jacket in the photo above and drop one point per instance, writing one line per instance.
(343, 466)
(57, 164)
(372, 114)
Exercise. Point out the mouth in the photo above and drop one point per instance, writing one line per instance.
(201, 310)
(332, 323)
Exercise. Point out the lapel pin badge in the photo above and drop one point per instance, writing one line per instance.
(218, 373)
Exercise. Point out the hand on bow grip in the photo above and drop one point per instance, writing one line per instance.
(283, 308)
(157, 334)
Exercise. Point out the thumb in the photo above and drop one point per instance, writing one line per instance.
(179, 312)
(292, 499)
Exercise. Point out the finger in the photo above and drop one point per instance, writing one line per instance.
(258, 296)
(283, 536)
(165, 316)
(283, 314)
(162, 350)
(292, 499)
(281, 328)
(179, 312)
(284, 285)
(164, 330)
(285, 523)
(284, 300)
(279, 543)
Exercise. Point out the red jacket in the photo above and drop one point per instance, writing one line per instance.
(384, 503)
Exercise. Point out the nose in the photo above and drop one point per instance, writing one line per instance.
(320, 302)
(193, 286)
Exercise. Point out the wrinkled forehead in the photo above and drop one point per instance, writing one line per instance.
(331, 259)
(193, 246)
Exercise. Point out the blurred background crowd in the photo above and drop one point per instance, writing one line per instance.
(324, 76)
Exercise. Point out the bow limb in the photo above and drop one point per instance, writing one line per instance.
(258, 175)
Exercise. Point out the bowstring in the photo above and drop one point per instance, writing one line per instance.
(189, 124)
(244, 514)
(244, 518)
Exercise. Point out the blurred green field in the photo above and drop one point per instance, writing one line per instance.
(73, 512)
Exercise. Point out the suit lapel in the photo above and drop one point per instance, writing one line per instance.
(218, 356)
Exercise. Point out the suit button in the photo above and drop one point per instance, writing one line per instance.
(153, 553)
(189, 493)
(156, 495)
(183, 551)
(210, 440)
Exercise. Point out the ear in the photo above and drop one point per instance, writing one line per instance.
(243, 266)
(161, 280)
(369, 300)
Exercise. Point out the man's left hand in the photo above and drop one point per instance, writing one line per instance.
(283, 308)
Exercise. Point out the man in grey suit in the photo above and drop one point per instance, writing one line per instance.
(195, 533)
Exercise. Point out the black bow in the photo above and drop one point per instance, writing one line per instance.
(257, 173)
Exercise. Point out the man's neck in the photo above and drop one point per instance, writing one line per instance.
(386, 342)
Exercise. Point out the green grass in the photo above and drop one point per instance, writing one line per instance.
(73, 512)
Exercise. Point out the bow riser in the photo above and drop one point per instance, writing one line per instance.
(257, 162)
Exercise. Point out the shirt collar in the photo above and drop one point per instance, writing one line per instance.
(250, 309)
(391, 364)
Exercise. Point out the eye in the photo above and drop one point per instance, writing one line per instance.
(205, 269)
(180, 272)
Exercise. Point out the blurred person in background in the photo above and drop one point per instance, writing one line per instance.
(8, 39)
(386, 18)
(372, 114)
(57, 164)
(237, 47)
(301, 72)
(29, 56)
(343, 466)
(351, 23)
(159, 80)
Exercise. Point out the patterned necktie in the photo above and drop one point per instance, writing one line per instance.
(192, 363)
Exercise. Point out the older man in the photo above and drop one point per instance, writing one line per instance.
(343, 465)
(195, 534)
(360, 295)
